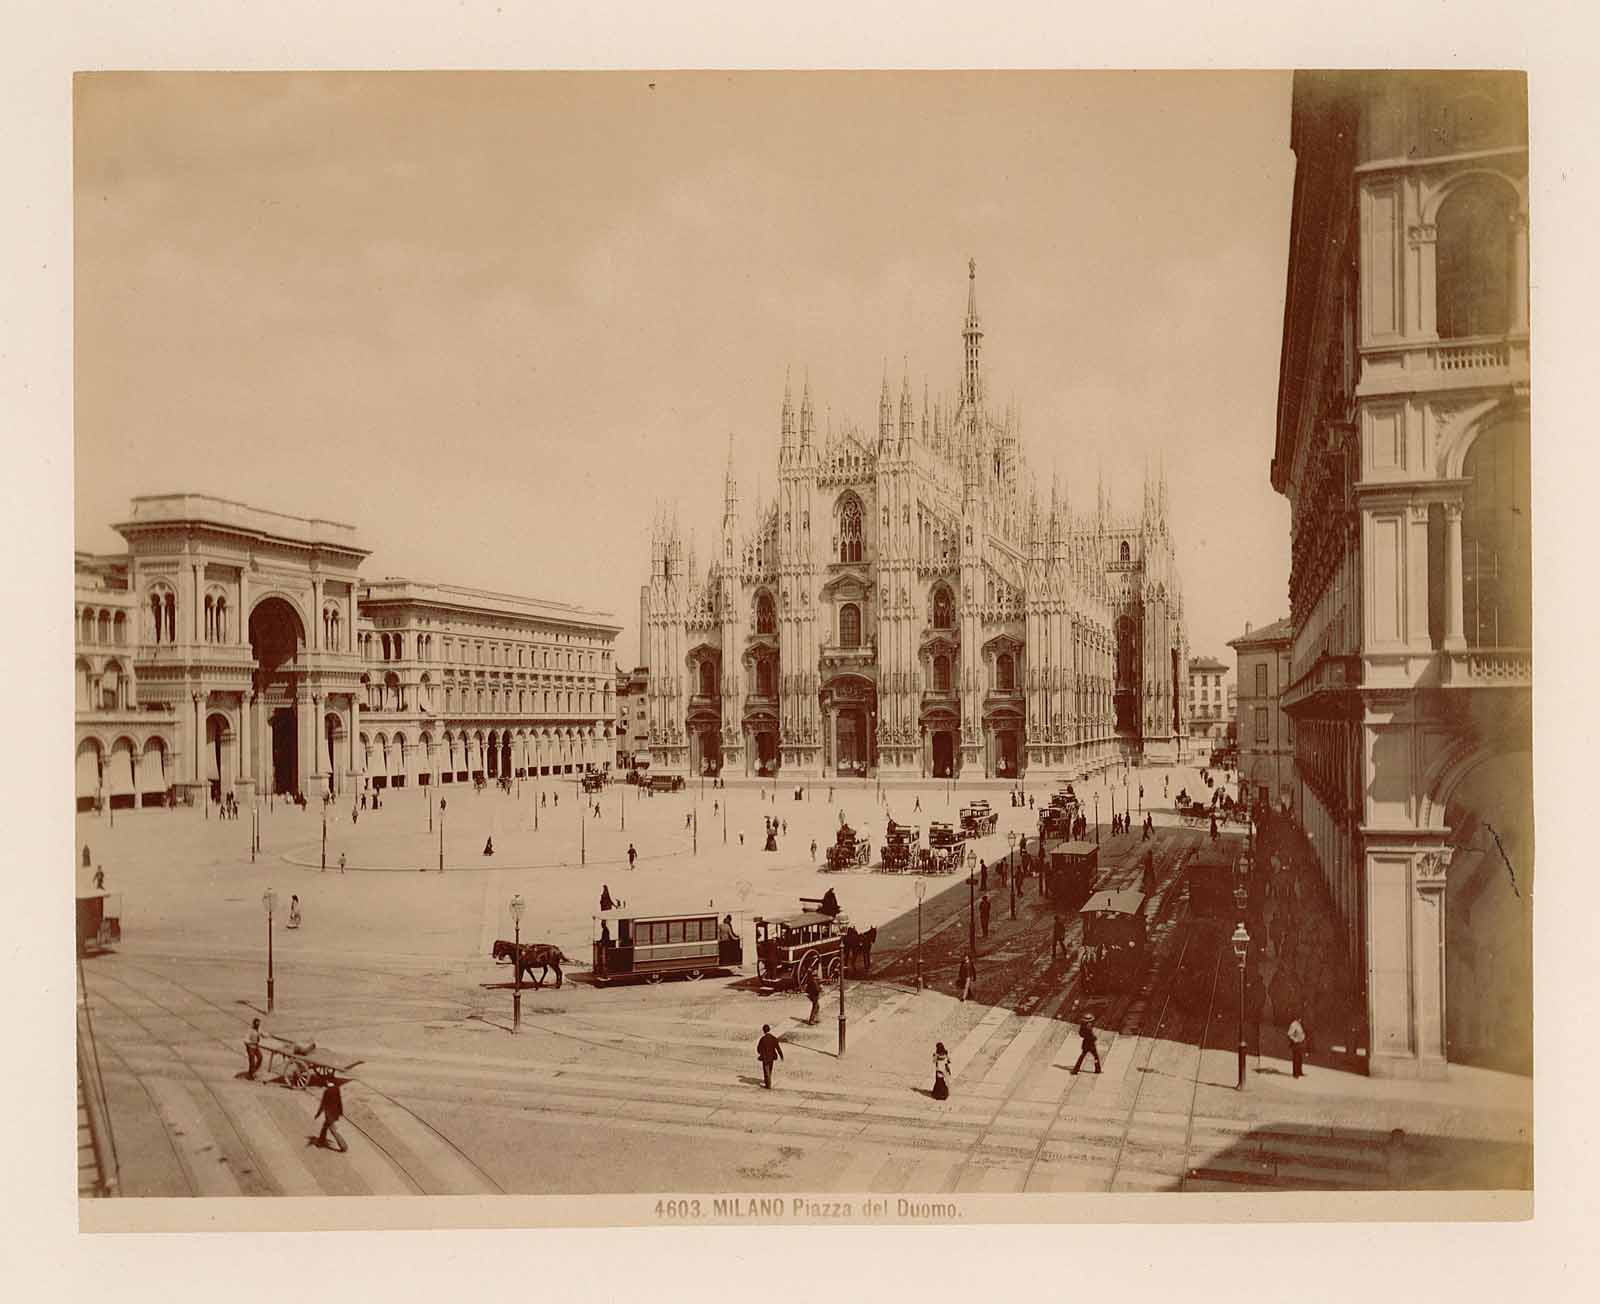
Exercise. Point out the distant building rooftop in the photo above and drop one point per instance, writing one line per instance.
(397, 589)
(154, 510)
(1279, 631)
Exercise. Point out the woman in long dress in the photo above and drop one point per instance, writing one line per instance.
(941, 1072)
(294, 911)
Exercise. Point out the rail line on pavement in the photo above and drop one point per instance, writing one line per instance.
(178, 1055)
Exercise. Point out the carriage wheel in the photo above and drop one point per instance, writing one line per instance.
(296, 1075)
(653, 978)
(832, 969)
(695, 975)
(802, 971)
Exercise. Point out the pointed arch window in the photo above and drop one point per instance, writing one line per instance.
(1127, 553)
(764, 677)
(766, 615)
(849, 625)
(943, 609)
(850, 529)
(708, 679)
(941, 673)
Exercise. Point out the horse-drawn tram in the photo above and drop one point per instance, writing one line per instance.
(1211, 877)
(653, 946)
(1114, 940)
(1070, 871)
(978, 819)
(788, 949)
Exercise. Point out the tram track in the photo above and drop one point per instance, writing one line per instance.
(173, 1047)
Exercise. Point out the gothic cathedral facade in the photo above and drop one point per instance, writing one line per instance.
(911, 606)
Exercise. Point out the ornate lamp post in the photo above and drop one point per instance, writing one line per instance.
(972, 902)
(1241, 948)
(1011, 868)
(269, 903)
(518, 905)
(920, 887)
(1097, 817)
(324, 834)
(442, 805)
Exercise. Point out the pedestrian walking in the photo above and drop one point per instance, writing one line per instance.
(1297, 1046)
(99, 877)
(1087, 1044)
(341, 862)
(331, 1110)
(983, 877)
(768, 1049)
(968, 976)
(606, 903)
(252, 1049)
(941, 1072)
(632, 855)
(294, 911)
(918, 806)
(813, 848)
(1058, 938)
(814, 991)
(983, 913)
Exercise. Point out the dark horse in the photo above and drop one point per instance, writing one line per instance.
(547, 955)
(858, 948)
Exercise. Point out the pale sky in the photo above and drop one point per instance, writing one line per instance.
(492, 320)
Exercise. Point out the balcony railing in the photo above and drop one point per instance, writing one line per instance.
(1488, 667)
(1474, 355)
(1327, 675)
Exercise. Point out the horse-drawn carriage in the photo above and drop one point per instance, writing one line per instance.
(789, 949)
(849, 848)
(1057, 819)
(978, 819)
(901, 843)
(99, 920)
(941, 834)
(942, 860)
(594, 781)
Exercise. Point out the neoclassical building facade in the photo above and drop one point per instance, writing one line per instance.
(912, 604)
(235, 650)
(1403, 447)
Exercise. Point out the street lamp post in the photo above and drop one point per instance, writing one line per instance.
(583, 834)
(442, 804)
(517, 907)
(622, 804)
(841, 1004)
(1011, 870)
(972, 903)
(1097, 817)
(1241, 947)
(920, 887)
(696, 825)
(324, 834)
(269, 902)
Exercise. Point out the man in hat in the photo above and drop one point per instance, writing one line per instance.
(1087, 1043)
(768, 1049)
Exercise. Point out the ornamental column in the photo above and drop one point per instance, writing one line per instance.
(1519, 272)
(1454, 640)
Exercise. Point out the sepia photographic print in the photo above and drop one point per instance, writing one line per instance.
(687, 648)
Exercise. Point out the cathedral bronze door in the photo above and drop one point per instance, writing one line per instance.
(944, 753)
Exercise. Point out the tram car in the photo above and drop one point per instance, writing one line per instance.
(664, 783)
(1211, 876)
(849, 848)
(788, 949)
(941, 834)
(1114, 940)
(900, 846)
(653, 947)
(977, 819)
(1070, 870)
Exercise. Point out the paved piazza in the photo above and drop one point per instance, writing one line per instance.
(390, 963)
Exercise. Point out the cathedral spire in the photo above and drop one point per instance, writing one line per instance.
(807, 416)
(788, 410)
(885, 409)
(972, 333)
(730, 495)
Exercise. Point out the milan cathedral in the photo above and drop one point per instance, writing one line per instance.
(912, 606)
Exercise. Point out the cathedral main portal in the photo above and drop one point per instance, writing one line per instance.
(850, 715)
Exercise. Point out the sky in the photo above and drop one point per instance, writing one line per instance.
(494, 320)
